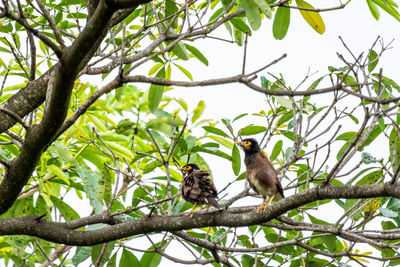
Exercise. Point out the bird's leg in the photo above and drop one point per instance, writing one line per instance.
(208, 207)
(269, 202)
(191, 211)
(260, 207)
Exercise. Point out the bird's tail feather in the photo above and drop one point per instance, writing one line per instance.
(213, 202)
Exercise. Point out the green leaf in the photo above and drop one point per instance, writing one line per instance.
(346, 136)
(242, 176)
(215, 15)
(248, 261)
(128, 259)
(6, 28)
(239, 116)
(156, 92)
(370, 178)
(385, 5)
(284, 102)
(394, 204)
(276, 150)
(281, 22)
(105, 187)
(222, 141)
(90, 184)
(23, 207)
(315, 83)
(372, 60)
(155, 68)
(198, 111)
(228, 125)
(170, 9)
(236, 160)
(373, 9)
(66, 211)
(82, 253)
(252, 13)
(197, 54)
(264, 7)
(367, 158)
(213, 152)
(215, 131)
(312, 18)
(315, 220)
(252, 130)
(97, 249)
(180, 51)
(113, 261)
(388, 213)
(330, 242)
(120, 150)
(240, 25)
(60, 174)
(372, 136)
(239, 37)
(264, 82)
(185, 71)
(150, 259)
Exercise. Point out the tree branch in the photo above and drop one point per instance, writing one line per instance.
(238, 217)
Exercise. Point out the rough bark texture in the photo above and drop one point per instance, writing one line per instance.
(236, 217)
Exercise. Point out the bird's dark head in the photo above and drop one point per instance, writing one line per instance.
(189, 168)
(249, 145)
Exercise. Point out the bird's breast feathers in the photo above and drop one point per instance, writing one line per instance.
(259, 186)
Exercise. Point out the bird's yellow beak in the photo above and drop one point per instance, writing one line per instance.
(243, 144)
(181, 168)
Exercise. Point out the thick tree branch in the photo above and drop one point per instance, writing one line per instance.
(55, 232)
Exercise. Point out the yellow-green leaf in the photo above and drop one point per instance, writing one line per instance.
(198, 111)
(311, 17)
(185, 71)
(373, 9)
(97, 123)
(120, 151)
(155, 68)
(60, 174)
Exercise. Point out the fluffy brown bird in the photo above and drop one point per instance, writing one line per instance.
(260, 173)
(197, 187)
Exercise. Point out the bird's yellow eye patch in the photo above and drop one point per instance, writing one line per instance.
(186, 168)
(246, 144)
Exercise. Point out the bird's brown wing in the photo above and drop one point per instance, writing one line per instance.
(190, 190)
(263, 177)
(208, 188)
(197, 187)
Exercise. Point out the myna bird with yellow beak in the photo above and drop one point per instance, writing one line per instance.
(260, 173)
(197, 187)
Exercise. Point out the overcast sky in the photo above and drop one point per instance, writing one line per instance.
(306, 49)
